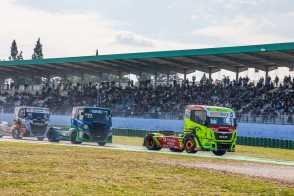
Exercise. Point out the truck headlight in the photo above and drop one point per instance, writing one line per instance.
(214, 129)
(86, 127)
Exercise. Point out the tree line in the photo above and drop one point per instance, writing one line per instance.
(16, 55)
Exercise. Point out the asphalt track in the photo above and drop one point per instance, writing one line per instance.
(228, 156)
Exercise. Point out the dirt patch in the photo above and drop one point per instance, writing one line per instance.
(284, 174)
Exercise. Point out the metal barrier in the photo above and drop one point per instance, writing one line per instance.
(248, 141)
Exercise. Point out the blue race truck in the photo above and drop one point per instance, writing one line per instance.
(88, 124)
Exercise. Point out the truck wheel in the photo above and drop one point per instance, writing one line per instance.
(40, 138)
(73, 138)
(190, 145)
(150, 143)
(16, 134)
(219, 152)
(51, 136)
(101, 143)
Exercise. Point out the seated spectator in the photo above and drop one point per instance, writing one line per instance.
(267, 98)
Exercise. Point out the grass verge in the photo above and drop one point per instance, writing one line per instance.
(33, 169)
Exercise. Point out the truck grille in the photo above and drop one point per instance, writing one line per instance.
(223, 136)
(99, 131)
(38, 130)
(223, 146)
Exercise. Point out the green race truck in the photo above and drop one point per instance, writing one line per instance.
(206, 128)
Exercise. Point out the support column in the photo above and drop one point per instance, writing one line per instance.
(82, 78)
(266, 75)
(237, 74)
(155, 79)
(266, 72)
(140, 79)
(185, 75)
(119, 79)
(210, 73)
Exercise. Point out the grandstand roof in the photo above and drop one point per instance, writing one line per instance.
(264, 57)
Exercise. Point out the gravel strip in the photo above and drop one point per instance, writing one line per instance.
(284, 174)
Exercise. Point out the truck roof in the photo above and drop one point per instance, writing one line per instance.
(85, 107)
(209, 108)
(31, 107)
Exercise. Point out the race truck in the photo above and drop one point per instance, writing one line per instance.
(4, 129)
(88, 124)
(30, 122)
(206, 128)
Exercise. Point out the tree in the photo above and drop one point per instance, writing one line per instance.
(19, 56)
(13, 51)
(38, 51)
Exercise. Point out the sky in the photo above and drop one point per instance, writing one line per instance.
(78, 28)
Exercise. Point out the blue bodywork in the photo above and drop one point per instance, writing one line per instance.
(88, 124)
(93, 124)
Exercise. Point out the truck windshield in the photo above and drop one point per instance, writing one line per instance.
(97, 114)
(33, 115)
(221, 121)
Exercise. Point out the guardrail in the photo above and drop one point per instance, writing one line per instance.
(248, 141)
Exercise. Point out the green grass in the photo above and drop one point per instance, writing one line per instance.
(33, 169)
(271, 153)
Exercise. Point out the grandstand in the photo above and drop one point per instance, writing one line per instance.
(268, 100)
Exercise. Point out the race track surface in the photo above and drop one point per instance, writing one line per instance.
(278, 170)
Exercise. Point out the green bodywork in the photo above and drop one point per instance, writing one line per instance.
(206, 138)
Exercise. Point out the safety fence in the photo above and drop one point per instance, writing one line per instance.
(248, 141)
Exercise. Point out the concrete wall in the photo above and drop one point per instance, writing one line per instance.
(244, 129)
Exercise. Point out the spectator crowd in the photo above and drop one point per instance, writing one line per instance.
(268, 98)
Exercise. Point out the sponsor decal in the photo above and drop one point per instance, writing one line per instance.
(221, 114)
(37, 110)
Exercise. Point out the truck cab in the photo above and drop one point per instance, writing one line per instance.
(206, 128)
(88, 124)
(30, 122)
(91, 124)
(214, 127)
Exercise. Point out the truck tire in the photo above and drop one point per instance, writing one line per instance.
(51, 136)
(16, 134)
(176, 150)
(73, 138)
(101, 143)
(219, 152)
(150, 143)
(40, 138)
(190, 145)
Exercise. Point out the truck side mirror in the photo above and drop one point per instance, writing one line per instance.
(235, 123)
(206, 122)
